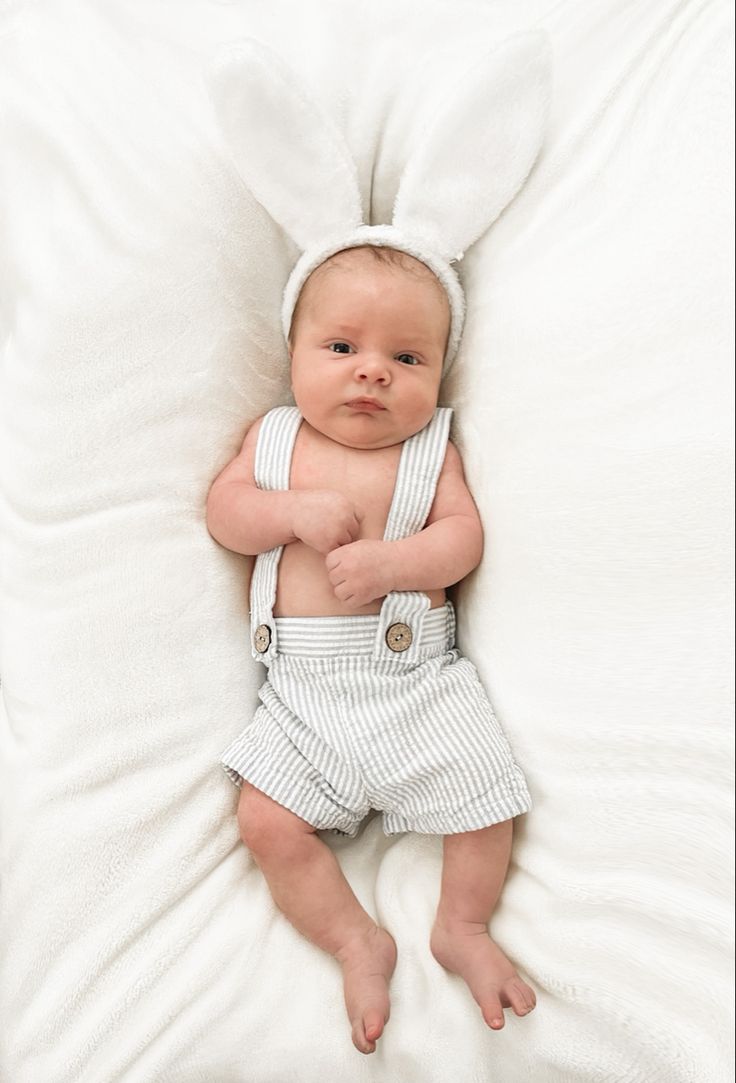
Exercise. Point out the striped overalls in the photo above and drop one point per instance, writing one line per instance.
(372, 712)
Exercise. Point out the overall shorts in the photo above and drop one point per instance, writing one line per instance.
(372, 712)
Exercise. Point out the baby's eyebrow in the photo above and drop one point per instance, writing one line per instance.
(345, 329)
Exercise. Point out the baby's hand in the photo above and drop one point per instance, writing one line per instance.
(324, 519)
(359, 572)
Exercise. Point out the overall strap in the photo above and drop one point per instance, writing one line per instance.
(274, 450)
(420, 465)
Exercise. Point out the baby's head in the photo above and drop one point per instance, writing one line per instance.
(367, 344)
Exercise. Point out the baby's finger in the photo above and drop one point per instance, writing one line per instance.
(332, 559)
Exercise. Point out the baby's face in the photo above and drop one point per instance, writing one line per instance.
(367, 349)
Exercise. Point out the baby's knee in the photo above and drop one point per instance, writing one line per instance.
(266, 827)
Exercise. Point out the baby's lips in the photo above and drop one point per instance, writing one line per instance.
(365, 402)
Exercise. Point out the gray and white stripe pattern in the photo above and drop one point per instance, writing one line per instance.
(420, 464)
(316, 637)
(274, 450)
(338, 734)
(345, 723)
(421, 461)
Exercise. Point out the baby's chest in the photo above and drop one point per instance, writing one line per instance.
(367, 479)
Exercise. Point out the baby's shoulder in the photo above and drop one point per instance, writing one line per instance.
(453, 463)
(276, 413)
(250, 438)
(245, 458)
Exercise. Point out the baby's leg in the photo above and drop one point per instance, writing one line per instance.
(475, 864)
(308, 886)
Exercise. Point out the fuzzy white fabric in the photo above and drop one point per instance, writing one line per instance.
(139, 298)
(298, 165)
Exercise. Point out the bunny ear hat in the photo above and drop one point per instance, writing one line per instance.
(466, 166)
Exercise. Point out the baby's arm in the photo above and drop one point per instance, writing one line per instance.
(449, 546)
(250, 520)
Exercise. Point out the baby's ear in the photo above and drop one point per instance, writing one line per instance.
(285, 147)
(479, 148)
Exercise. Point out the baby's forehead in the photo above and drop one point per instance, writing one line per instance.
(367, 259)
(326, 286)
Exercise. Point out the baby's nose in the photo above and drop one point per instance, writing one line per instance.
(373, 368)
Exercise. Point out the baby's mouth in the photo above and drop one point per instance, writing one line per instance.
(367, 404)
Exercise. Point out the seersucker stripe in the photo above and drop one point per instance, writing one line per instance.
(319, 637)
(420, 464)
(338, 734)
(346, 724)
(272, 469)
(422, 457)
(274, 448)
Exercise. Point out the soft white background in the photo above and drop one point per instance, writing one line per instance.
(139, 294)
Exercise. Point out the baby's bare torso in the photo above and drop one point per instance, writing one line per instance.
(365, 477)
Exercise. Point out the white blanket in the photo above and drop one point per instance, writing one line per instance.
(139, 293)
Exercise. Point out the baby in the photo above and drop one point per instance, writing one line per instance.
(356, 506)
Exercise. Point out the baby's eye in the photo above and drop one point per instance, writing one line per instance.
(340, 347)
(407, 359)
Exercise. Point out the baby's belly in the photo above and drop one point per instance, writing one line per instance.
(304, 589)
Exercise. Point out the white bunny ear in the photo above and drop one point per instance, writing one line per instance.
(479, 148)
(286, 149)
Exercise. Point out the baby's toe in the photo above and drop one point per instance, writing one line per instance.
(373, 1023)
(360, 1041)
(520, 996)
(493, 1012)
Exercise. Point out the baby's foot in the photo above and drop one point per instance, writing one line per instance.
(367, 966)
(465, 948)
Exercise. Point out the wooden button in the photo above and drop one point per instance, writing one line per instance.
(399, 637)
(262, 638)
